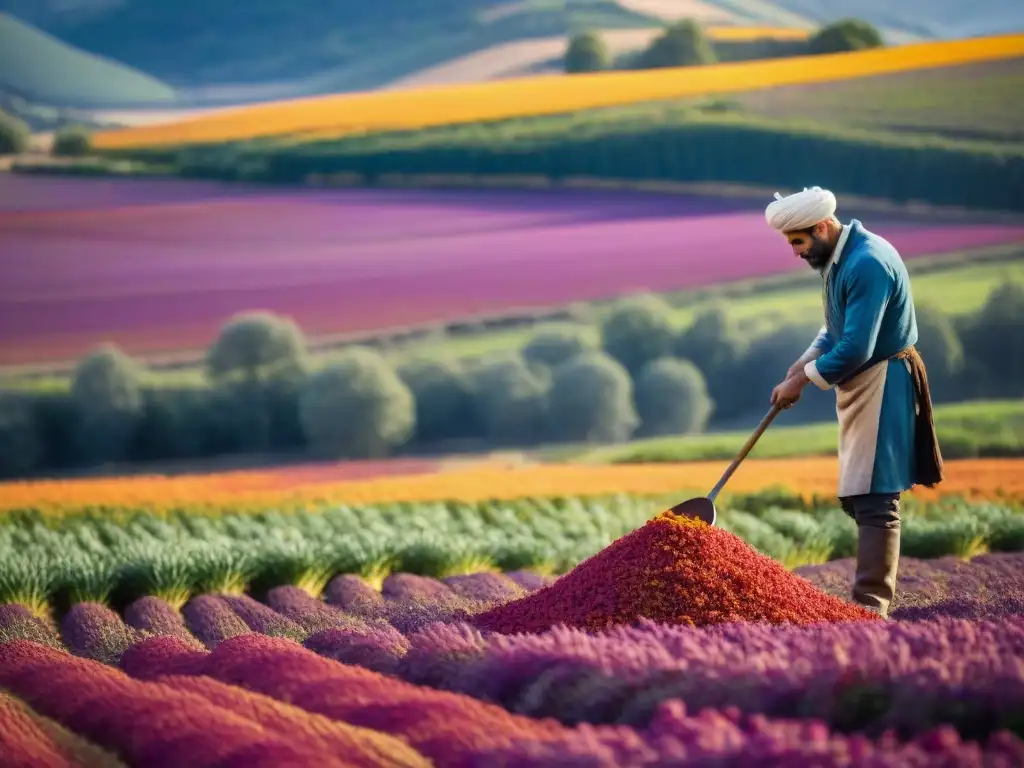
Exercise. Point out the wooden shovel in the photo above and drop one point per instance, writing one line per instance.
(703, 508)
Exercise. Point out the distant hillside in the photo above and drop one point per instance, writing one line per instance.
(221, 51)
(40, 68)
(944, 19)
(973, 101)
(342, 45)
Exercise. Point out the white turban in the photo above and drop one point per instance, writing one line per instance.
(800, 210)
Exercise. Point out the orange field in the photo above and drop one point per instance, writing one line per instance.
(301, 487)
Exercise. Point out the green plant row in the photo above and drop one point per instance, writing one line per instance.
(47, 562)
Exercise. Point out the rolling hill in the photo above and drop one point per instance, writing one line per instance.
(221, 52)
(942, 19)
(349, 114)
(38, 67)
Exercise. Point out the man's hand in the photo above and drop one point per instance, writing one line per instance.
(794, 369)
(789, 391)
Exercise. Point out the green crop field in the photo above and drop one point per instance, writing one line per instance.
(977, 101)
(981, 428)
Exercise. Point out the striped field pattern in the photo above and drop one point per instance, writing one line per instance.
(341, 115)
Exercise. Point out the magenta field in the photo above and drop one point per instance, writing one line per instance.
(159, 265)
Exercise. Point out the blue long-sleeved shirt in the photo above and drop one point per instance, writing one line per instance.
(869, 317)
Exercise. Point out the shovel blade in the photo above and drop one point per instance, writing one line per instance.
(699, 508)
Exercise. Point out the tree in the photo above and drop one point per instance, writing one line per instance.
(993, 343)
(942, 351)
(106, 390)
(14, 134)
(672, 398)
(256, 356)
(71, 141)
(638, 329)
(714, 343)
(682, 44)
(747, 392)
(510, 400)
(557, 344)
(845, 35)
(443, 394)
(20, 445)
(586, 53)
(356, 407)
(256, 346)
(591, 400)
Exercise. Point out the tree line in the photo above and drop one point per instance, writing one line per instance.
(16, 137)
(633, 373)
(640, 143)
(684, 43)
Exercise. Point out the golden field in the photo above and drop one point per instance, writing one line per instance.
(531, 96)
(305, 486)
(728, 34)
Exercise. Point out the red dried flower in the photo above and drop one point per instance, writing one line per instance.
(674, 570)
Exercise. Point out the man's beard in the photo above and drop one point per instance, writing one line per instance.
(818, 253)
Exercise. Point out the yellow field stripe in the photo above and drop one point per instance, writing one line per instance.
(531, 96)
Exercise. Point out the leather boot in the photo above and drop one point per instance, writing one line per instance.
(878, 553)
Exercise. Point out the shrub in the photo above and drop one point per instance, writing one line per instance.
(356, 407)
(672, 398)
(592, 400)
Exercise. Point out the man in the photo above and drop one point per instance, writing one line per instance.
(865, 351)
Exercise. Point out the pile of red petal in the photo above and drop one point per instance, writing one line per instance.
(674, 570)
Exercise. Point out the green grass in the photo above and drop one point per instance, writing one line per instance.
(958, 290)
(977, 101)
(985, 427)
(43, 68)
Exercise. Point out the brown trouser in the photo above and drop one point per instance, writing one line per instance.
(878, 548)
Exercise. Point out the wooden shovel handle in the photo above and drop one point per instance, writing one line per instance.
(745, 450)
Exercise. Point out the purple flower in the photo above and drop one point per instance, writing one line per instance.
(310, 613)
(379, 647)
(18, 623)
(485, 587)
(212, 620)
(262, 619)
(409, 586)
(351, 594)
(94, 631)
(158, 617)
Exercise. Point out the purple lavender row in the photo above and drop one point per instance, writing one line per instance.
(459, 731)
(989, 585)
(212, 620)
(156, 616)
(95, 631)
(915, 675)
(310, 613)
(19, 623)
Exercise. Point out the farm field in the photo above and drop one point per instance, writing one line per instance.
(973, 101)
(303, 486)
(159, 266)
(463, 634)
(527, 97)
